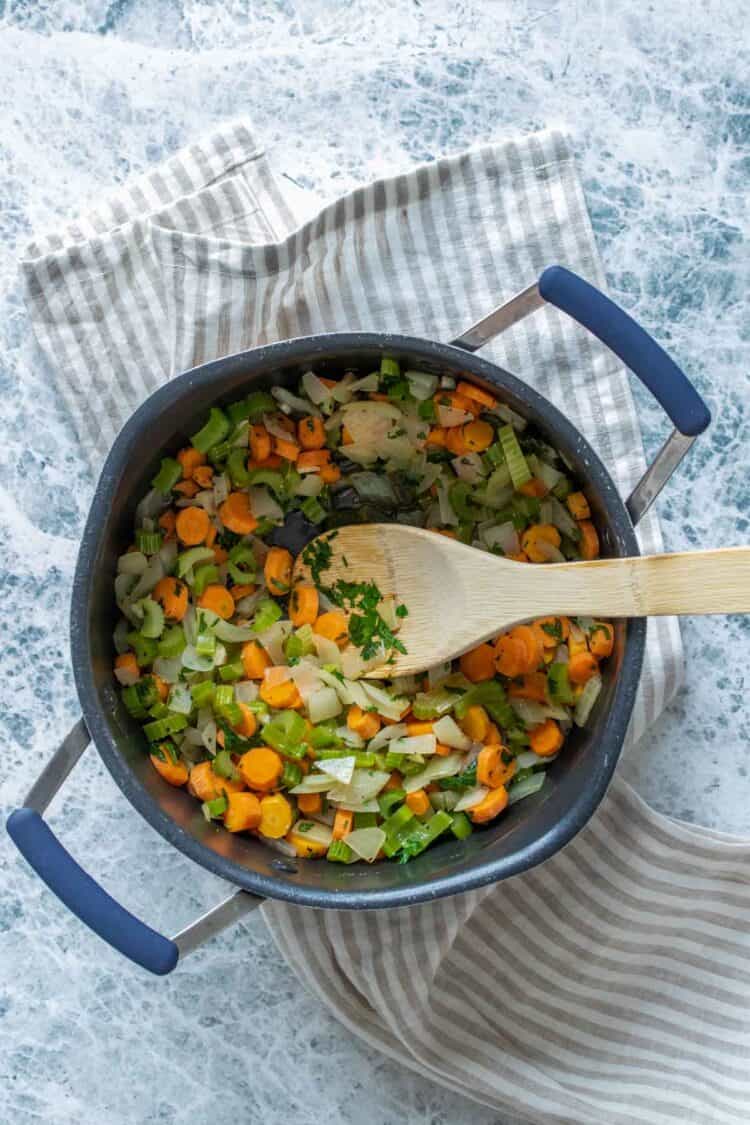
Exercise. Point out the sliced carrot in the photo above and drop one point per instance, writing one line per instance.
(243, 591)
(494, 738)
(255, 660)
(175, 773)
(236, 515)
(333, 625)
(532, 641)
(546, 739)
(313, 461)
(289, 450)
(510, 656)
(167, 522)
(534, 487)
(492, 770)
(261, 768)
(172, 595)
(478, 436)
(547, 533)
(187, 488)
(161, 685)
(311, 432)
(346, 437)
(418, 802)
(328, 382)
(589, 543)
(555, 630)
(342, 823)
(578, 506)
(475, 723)
(278, 571)
(395, 781)
(329, 474)
(456, 442)
(248, 724)
(582, 667)
(476, 394)
(577, 640)
(190, 458)
(275, 816)
(282, 696)
(303, 846)
(479, 663)
(220, 555)
(453, 400)
(243, 812)
(437, 435)
(442, 750)
(490, 806)
(520, 557)
(192, 526)
(126, 661)
(364, 723)
(203, 476)
(601, 640)
(531, 686)
(378, 396)
(211, 535)
(273, 461)
(415, 729)
(446, 532)
(206, 785)
(309, 803)
(303, 605)
(259, 441)
(218, 600)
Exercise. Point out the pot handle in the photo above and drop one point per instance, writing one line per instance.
(84, 896)
(632, 344)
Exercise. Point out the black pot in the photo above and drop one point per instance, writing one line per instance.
(530, 831)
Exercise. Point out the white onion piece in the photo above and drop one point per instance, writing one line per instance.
(323, 704)
(552, 511)
(549, 551)
(221, 488)
(307, 679)
(132, 563)
(562, 654)
(369, 423)
(277, 674)
(363, 454)
(366, 842)
(263, 504)
(151, 506)
(364, 786)
(272, 640)
(119, 637)
(169, 670)
(437, 674)
(328, 651)
(348, 691)
(208, 734)
(415, 744)
(352, 664)
(447, 514)
(192, 736)
(547, 474)
(247, 605)
(530, 759)
(504, 536)
(314, 783)
(532, 713)
(342, 391)
(315, 389)
(448, 416)
(436, 768)
(153, 573)
(286, 398)
(190, 659)
(310, 485)
(275, 427)
(204, 499)
(313, 831)
(448, 732)
(516, 421)
(386, 734)
(390, 706)
(421, 384)
(470, 799)
(469, 467)
(127, 676)
(283, 847)
(168, 554)
(190, 625)
(350, 737)
(367, 383)
(586, 700)
(180, 699)
(246, 691)
(340, 769)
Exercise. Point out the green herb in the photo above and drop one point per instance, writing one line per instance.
(402, 611)
(491, 695)
(553, 629)
(318, 554)
(367, 629)
(465, 780)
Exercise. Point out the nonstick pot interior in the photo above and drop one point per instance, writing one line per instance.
(527, 833)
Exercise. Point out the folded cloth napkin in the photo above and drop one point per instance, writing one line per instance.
(611, 983)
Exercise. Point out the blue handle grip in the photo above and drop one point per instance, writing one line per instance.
(606, 320)
(38, 844)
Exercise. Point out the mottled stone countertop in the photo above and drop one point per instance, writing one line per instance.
(656, 97)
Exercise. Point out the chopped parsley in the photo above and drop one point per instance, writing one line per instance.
(367, 629)
(401, 611)
(465, 780)
(553, 629)
(318, 554)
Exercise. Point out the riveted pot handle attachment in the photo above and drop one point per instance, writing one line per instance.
(84, 896)
(632, 344)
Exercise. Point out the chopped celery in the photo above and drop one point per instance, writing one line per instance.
(239, 556)
(266, 615)
(158, 711)
(170, 473)
(461, 826)
(389, 366)
(214, 431)
(223, 766)
(423, 835)
(459, 495)
(160, 728)
(132, 701)
(285, 732)
(237, 467)
(292, 775)
(153, 618)
(393, 760)
(205, 644)
(339, 852)
(426, 411)
(491, 695)
(223, 696)
(186, 560)
(145, 648)
(203, 576)
(251, 408)
(558, 684)
(322, 736)
(387, 801)
(172, 642)
(148, 542)
(231, 672)
(433, 704)
(214, 809)
(202, 694)
(398, 820)
(365, 819)
(514, 458)
(313, 510)
(273, 478)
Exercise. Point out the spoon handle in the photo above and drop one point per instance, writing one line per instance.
(691, 582)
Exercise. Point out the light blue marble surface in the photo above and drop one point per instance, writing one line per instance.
(658, 100)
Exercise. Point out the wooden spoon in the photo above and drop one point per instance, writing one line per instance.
(458, 596)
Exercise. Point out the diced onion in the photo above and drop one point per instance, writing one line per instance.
(421, 384)
(119, 637)
(390, 706)
(132, 563)
(448, 732)
(272, 639)
(208, 734)
(549, 551)
(323, 704)
(153, 573)
(247, 605)
(286, 398)
(586, 701)
(263, 505)
(415, 744)
(313, 783)
(311, 485)
(277, 674)
(246, 691)
(364, 786)
(448, 416)
(552, 511)
(169, 670)
(526, 788)
(366, 842)
(504, 536)
(316, 391)
(168, 554)
(221, 488)
(204, 499)
(340, 769)
(547, 474)
(386, 734)
(127, 676)
(469, 467)
(529, 759)
(436, 768)
(306, 676)
(352, 739)
(180, 699)
(328, 651)
(470, 799)
(190, 659)
(313, 831)
(233, 634)
(152, 505)
(562, 654)
(447, 513)
(532, 713)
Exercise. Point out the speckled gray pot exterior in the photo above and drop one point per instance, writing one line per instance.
(527, 834)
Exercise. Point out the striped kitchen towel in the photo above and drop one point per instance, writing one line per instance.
(609, 985)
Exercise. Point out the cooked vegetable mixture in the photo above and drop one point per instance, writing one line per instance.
(249, 688)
